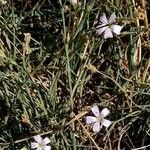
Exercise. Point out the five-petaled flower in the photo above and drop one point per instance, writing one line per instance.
(99, 120)
(108, 26)
(40, 144)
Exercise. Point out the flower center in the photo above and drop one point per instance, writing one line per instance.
(41, 145)
(100, 118)
(109, 26)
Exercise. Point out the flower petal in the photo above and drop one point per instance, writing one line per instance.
(106, 123)
(101, 30)
(108, 33)
(38, 138)
(96, 127)
(39, 148)
(95, 110)
(101, 25)
(103, 19)
(47, 148)
(34, 145)
(90, 119)
(105, 112)
(112, 18)
(116, 29)
(46, 141)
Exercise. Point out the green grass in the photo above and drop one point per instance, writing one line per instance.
(49, 84)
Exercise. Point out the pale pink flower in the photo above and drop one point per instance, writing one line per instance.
(99, 119)
(40, 144)
(108, 26)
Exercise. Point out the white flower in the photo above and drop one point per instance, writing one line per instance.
(40, 144)
(99, 120)
(108, 27)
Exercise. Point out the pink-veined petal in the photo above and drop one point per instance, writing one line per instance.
(105, 112)
(96, 127)
(112, 18)
(101, 30)
(38, 138)
(90, 119)
(116, 29)
(34, 145)
(106, 123)
(108, 33)
(47, 148)
(103, 19)
(95, 110)
(46, 141)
